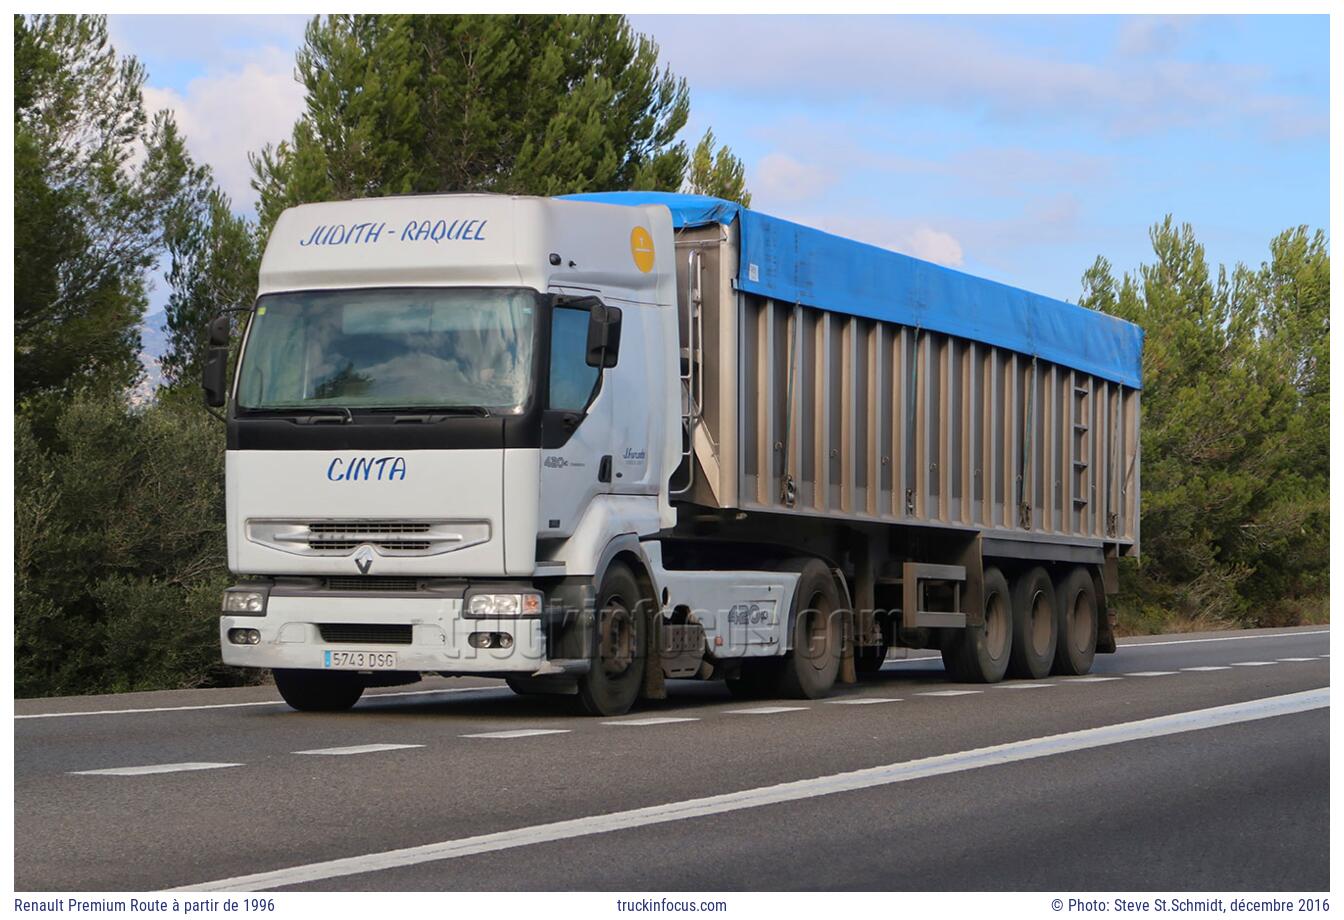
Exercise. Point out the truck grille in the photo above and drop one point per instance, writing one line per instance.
(365, 633)
(370, 583)
(388, 537)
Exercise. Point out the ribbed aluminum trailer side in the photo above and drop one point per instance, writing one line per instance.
(806, 411)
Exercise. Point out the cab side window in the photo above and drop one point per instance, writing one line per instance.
(573, 382)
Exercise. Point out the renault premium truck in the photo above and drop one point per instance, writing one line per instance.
(590, 444)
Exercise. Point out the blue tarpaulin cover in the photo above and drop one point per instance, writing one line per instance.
(797, 264)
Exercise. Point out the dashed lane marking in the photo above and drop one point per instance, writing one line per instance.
(862, 701)
(1023, 685)
(764, 710)
(799, 790)
(1251, 664)
(1150, 673)
(1094, 679)
(519, 733)
(1297, 659)
(656, 720)
(153, 768)
(1210, 667)
(361, 749)
(949, 692)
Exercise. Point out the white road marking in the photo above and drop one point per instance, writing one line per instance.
(655, 720)
(764, 710)
(1210, 667)
(520, 733)
(1094, 679)
(124, 712)
(1149, 673)
(1251, 664)
(949, 692)
(862, 701)
(361, 749)
(1297, 659)
(153, 768)
(1022, 685)
(1012, 752)
(1309, 632)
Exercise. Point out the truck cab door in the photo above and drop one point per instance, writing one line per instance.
(576, 428)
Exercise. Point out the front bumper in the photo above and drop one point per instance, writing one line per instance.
(291, 636)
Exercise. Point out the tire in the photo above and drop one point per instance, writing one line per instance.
(813, 661)
(980, 654)
(1035, 628)
(1076, 610)
(621, 622)
(318, 691)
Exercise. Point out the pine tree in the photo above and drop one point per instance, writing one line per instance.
(718, 174)
(92, 177)
(513, 104)
(1234, 430)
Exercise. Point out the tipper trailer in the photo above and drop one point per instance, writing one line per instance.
(592, 443)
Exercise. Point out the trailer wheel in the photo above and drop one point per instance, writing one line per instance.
(1076, 610)
(812, 665)
(318, 691)
(612, 683)
(1035, 628)
(980, 654)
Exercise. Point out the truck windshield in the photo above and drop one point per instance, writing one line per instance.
(390, 348)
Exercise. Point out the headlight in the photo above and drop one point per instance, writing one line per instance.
(245, 602)
(504, 605)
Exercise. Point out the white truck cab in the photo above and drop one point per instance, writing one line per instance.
(446, 410)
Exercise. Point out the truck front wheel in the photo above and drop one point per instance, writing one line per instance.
(616, 670)
(319, 691)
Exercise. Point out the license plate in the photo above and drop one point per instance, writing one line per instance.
(359, 661)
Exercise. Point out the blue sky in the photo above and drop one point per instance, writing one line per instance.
(1014, 147)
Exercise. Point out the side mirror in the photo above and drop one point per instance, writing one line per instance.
(604, 335)
(216, 360)
(219, 332)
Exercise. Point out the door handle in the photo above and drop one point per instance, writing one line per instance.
(604, 469)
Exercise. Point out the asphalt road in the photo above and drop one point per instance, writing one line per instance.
(1201, 762)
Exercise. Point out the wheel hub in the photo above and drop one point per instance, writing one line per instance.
(616, 649)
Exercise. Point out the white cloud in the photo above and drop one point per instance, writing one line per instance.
(779, 177)
(916, 238)
(228, 114)
(1147, 35)
(935, 246)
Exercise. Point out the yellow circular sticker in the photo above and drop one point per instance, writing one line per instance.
(641, 248)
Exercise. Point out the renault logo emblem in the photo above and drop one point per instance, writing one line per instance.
(364, 559)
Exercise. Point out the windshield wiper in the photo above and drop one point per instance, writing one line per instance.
(310, 414)
(431, 411)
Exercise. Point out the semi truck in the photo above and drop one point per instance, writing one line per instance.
(594, 443)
